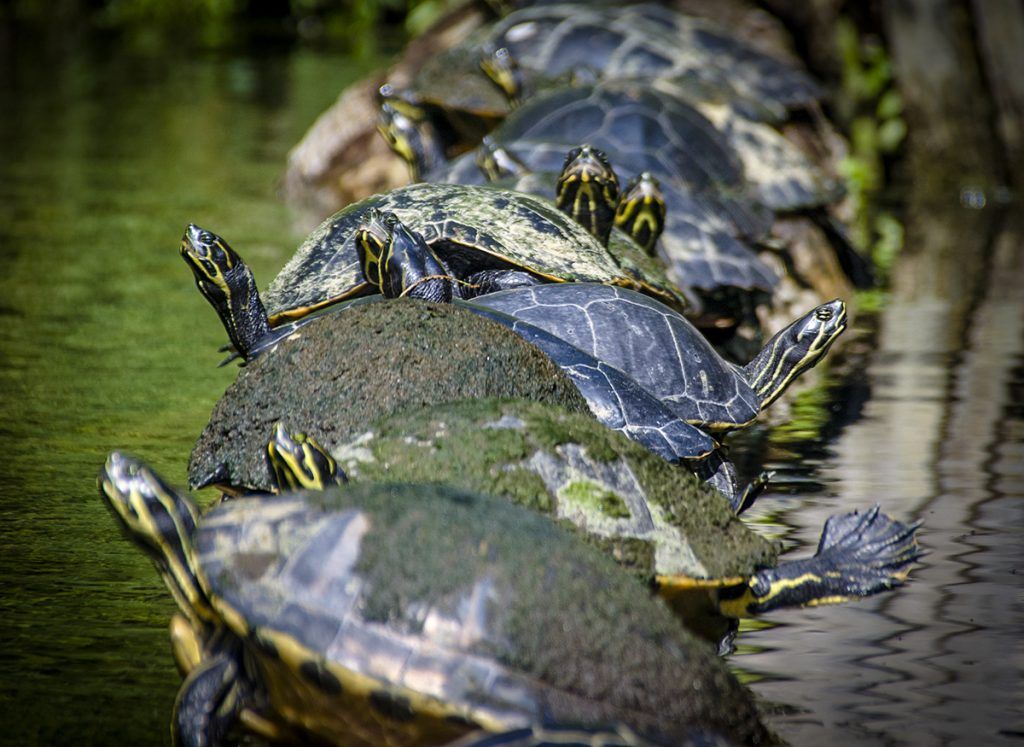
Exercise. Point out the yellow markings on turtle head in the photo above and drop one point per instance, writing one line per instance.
(299, 461)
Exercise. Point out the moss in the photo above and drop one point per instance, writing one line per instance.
(485, 446)
(596, 496)
(347, 369)
(564, 616)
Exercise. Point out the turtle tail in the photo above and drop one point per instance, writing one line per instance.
(161, 521)
(859, 554)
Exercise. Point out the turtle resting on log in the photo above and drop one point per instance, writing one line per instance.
(672, 531)
(410, 615)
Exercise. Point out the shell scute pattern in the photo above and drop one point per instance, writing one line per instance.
(513, 227)
(662, 352)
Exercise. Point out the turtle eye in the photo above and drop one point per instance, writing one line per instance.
(206, 237)
(823, 314)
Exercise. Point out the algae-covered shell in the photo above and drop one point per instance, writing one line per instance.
(657, 519)
(471, 227)
(342, 371)
(407, 614)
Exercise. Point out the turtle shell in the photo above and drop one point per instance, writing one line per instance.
(646, 42)
(657, 347)
(409, 614)
(656, 519)
(341, 371)
(472, 228)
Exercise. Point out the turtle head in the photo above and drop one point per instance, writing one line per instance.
(407, 128)
(398, 261)
(161, 521)
(300, 463)
(496, 161)
(227, 282)
(794, 350)
(501, 67)
(640, 211)
(588, 191)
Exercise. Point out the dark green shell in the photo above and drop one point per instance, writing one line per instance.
(343, 371)
(398, 601)
(648, 42)
(471, 227)
(657, 519)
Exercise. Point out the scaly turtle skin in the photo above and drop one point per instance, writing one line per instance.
(411, 615)
(475, 230)
(664, 353)
(669, 529)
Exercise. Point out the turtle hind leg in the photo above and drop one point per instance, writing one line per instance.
(208, 705)
(859, 554)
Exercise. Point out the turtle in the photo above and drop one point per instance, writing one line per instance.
(673, 532)
(410, 615)
(486, 236)
(650, 343)
(535, 48)
(342, 370)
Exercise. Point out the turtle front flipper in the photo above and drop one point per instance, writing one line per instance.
(859, 554)
(208, 705)
(227, 282)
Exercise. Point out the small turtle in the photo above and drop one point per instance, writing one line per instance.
(488, 238)
(667, 527)
(410, 615)
(647, 341)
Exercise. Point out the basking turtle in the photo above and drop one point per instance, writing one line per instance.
(410, 615)
(343, 370)
(667, 527)
(647, 341)
(487, 237)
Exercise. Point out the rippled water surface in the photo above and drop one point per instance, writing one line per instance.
(106, 153)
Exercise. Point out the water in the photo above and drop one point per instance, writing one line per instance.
(105, 155)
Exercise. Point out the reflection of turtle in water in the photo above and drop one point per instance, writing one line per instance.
(647, 341)
(488, 238)
(663, 524)
(409, 615)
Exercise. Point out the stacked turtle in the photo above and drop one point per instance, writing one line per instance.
(473, 430)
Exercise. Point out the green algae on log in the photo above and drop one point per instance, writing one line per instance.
(345, 370)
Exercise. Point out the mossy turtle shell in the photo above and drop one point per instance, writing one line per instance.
(342, 371)
(472, 228)
(406, 614)
(657, 519)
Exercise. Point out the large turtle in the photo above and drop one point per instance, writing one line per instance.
(487, 237)
(345, 369)
(668, 528)
(409, 615)
(647, 341)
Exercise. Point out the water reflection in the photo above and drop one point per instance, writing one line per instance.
(939, 439)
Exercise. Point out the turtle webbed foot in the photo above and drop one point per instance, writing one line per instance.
(859, 554)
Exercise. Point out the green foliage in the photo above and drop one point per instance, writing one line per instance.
(873, 113)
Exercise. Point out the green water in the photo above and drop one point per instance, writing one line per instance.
(105, 343)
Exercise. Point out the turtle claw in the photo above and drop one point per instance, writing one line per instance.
(753, 490)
